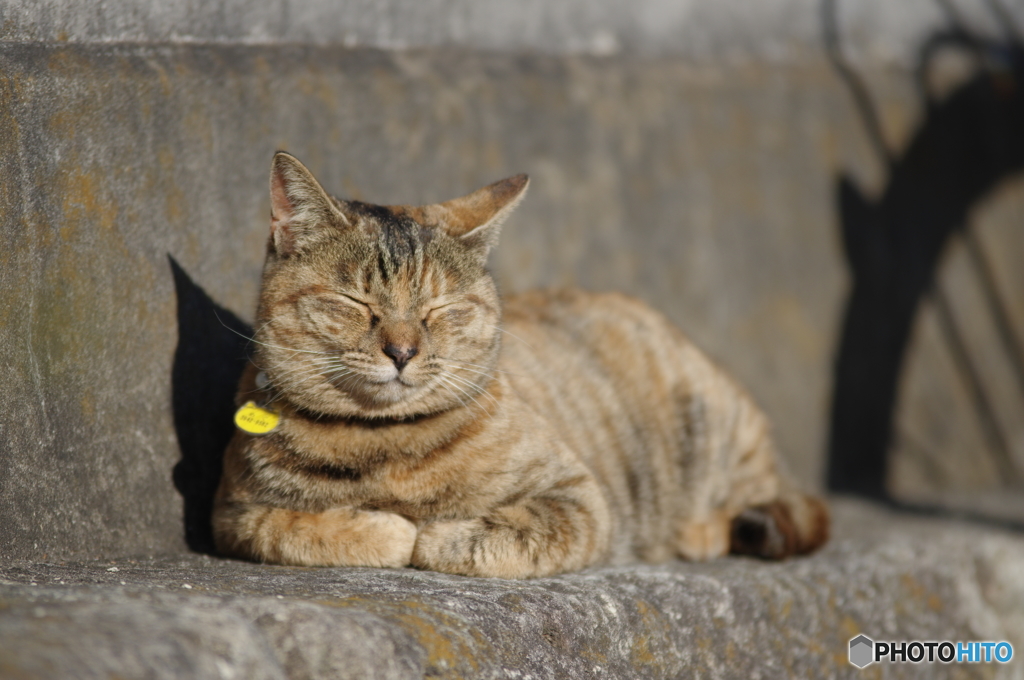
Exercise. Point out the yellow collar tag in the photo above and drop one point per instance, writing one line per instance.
(256, 420)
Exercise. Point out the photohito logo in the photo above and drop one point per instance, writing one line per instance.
(864, 651)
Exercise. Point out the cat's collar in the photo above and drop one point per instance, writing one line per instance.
(255, 417)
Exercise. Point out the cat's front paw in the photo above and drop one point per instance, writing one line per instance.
(394, 538)
(363, 538)
(447, 546)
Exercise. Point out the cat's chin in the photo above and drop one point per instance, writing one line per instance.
(378, 389)
(393, 391)
(395, 398)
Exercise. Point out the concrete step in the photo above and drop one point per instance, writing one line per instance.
(888, 576)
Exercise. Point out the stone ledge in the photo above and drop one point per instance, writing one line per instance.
(888, 576)
(711, 31)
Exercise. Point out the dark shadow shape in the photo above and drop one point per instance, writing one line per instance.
(208, 363)
(968, 142)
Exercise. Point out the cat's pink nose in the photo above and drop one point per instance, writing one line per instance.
(400, 354)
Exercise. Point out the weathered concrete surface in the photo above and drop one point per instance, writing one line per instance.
(888, 577)
(707, 188)
(720, 30)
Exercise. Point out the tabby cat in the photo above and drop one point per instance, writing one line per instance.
(422, 421)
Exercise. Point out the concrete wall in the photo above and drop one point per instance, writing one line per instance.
(875, 31)
(682, 162)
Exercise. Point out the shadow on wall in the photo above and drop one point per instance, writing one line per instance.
(208, 363)
(966, 144)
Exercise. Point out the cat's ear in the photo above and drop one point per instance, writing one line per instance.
(300, 210)
(476, 219)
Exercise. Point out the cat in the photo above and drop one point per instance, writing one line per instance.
(419, 420)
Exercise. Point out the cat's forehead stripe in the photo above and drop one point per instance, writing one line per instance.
(400, 240)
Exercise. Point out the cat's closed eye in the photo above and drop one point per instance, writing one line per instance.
(346, 308)
(457, 312)
(367, 309)
(340, 305)
(357, 301)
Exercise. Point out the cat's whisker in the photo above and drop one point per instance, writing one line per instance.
(293, 382)
(472, 370)
(292, 349)
(468, 383)
(266, 344)
(335, 374)
(474, 386)
(318, 361)
(347, 378)
(265, 324)
(490, 398)
(296, 376)
(318, 365)
(486, 368)
(449, 377)
(343, 375)
(460, 389)
(457, 397)
(353, 377)
(499, 328)
(445, 381)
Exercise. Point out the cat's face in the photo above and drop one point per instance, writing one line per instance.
(373, 311)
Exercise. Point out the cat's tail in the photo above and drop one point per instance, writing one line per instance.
(792, 524)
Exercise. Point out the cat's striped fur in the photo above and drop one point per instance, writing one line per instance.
(415, 431)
